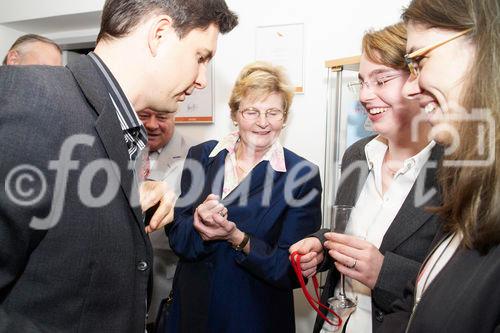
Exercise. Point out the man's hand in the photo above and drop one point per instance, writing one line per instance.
(355, 257)
(312, 254)
(153, 192)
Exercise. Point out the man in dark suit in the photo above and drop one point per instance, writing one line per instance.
(167, 152)
(74, 252)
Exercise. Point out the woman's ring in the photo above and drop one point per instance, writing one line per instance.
(353, 265)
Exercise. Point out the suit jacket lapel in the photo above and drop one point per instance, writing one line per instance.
(261, 177)
(412, 214)
(108, 129)
(106, 126)
(215, 173)
(354, 175)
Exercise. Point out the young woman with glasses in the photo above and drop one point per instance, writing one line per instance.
(454, 55)
(392, 170)
(256, 198)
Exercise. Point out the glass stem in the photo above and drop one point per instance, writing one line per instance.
(342, 285)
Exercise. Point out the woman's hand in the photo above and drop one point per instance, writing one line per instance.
(210, 220)
(312, 255)
(355, 257)
(219, 229)
(210, 206)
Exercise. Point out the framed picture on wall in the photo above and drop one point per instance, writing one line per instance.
(198, 107)
(283, 45)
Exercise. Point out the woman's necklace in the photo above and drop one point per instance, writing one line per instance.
(242, 172)
(242, 169)
(385, 163)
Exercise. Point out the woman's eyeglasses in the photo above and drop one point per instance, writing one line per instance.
(270, 114)
(412, 59)
(374, 85)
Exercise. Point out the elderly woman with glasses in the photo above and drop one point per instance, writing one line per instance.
(244, 201)
(454, 54)
(385, 178)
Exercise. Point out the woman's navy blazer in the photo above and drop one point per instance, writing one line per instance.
(219, 289)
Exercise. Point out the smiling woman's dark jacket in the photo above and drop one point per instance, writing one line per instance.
(406, 242)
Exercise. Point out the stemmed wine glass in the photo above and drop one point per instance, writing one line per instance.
(341, 304)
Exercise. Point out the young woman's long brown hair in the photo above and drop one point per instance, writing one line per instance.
(471, 195)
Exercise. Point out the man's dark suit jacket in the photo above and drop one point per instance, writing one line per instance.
(89, 272)
(406, 242)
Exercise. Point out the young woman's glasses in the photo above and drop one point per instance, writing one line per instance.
(374, 85)
(413, 59)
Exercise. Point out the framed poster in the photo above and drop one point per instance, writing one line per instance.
(283, 45)
(199, 106)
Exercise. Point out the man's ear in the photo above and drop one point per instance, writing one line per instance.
(161, 28)
(13, 58)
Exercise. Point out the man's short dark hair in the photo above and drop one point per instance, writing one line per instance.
(30, 38)
(119, 17)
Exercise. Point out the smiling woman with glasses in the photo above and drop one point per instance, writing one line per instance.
(272, 114)
(258, 198)
(376, 85)
(412, 59)
(457, 82)
(394, 233)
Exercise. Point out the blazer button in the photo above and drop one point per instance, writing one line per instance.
(142, 266)
(379, 316)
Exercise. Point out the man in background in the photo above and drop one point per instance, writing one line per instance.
(33, 49)
(167, 152)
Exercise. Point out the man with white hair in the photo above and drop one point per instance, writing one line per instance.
(34, 49)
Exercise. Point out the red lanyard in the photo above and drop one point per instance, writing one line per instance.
(295, 259)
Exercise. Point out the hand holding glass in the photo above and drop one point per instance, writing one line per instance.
(343, 305)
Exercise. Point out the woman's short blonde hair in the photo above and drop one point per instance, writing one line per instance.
(259, 80)
(386, 46)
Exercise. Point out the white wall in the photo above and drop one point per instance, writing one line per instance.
(33, 9)
(333, 29)
(47, 18)
(7, 37)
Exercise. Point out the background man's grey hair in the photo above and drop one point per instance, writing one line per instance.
(29, 38)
